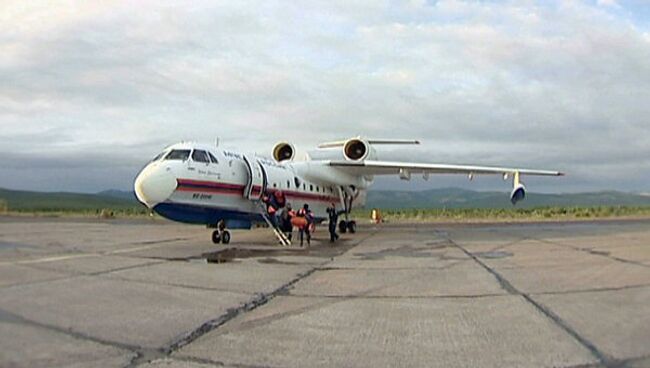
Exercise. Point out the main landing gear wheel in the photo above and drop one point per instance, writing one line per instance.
(216, 237)
(347, 227)
(343, 227)
(352, 227)
(225, 237)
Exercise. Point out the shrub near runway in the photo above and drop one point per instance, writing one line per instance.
(488, 214)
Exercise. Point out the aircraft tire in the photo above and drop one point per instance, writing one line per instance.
(216, 237)
(343, 227)
(352, 227)
(225, 237)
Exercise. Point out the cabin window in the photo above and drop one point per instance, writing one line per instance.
(288, 184)
(200, 156)
(212, 158)
(297, 182)
(181, 155)
(304, 186)
(275, 185)
(311, 188)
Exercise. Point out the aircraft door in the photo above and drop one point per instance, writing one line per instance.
(256, 179)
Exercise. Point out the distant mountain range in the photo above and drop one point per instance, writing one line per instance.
(462, 198)
(434, 198)
(62, 201)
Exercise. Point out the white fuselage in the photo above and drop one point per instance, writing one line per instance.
(183, 186)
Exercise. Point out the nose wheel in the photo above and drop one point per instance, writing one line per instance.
(221, 235)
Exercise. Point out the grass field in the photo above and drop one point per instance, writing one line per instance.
(523, 214)
(24, 203)
(68, 205)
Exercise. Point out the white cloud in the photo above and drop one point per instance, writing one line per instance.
(560, 85)
(612, 3)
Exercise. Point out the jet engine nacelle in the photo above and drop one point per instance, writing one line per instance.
(518, 194)
(284, 151)
(356, 149)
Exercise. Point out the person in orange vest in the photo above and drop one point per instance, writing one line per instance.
(304, 228)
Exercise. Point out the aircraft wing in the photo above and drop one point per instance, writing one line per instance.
(370, 167)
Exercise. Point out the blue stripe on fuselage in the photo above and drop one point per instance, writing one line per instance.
(192, 214)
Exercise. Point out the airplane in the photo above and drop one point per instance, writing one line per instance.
(198, 183)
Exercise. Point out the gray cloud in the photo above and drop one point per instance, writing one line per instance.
(549, 85)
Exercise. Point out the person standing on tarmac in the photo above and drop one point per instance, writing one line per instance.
(333, 221)
(285, 221)
(304, 229)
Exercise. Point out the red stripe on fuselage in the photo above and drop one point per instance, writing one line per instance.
(188, 185)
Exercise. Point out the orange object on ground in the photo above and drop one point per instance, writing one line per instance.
(375, 215)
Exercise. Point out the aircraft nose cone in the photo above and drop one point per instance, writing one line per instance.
(154, 185)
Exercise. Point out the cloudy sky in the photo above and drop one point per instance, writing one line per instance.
(90, 90)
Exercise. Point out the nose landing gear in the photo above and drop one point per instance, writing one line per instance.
(221, 235)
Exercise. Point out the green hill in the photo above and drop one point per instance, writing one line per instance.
(462, 198)
(18, 200)
(449, 198)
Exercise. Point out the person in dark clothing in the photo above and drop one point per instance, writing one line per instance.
(309, 219)
(274, 202)
(333, 221)
(285, 221)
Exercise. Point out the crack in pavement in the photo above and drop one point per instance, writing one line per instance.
(592, 251)
(506, 285)
(10, 317)
(213, 324)
(395, 297)
(70, 275)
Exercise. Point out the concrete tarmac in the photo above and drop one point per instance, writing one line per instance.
(90, 293)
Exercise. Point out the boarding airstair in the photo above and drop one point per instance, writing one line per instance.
(278, 234)
(254, 191)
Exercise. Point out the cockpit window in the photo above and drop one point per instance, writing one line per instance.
(181, 155)
(161, 154)
(200, 156)
(213, 159)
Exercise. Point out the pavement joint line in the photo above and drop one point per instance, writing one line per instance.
(397, 297)
(592, 290)
(203, 288)
(49, 259)
(379, 269)
(210, 362)
(150, 245)
(93, 254)
(16, 318)
(625, 362)
(594, 252)
(71, 275)
(259, 300)
(506, 285)
(330, 301)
